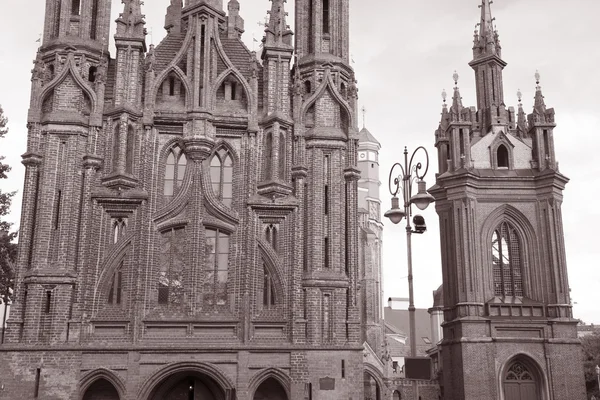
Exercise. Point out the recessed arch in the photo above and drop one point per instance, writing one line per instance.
(528, 248)
(266, 374)
(521, 375)
(99, 375)
(181, 369)
(163, 78)
(328, 84)
(232, 73)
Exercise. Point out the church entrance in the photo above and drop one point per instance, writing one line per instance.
(188, 387)
(101, 390)
(372, 389)
(520, 384)
(270, 389)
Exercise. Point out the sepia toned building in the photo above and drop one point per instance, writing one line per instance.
(508, 330)
(190, 224)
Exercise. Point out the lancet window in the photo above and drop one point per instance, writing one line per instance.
(115, 294)
(171, 280)
(216, 267)
(506, 261)
(174, 171)
(221, 175)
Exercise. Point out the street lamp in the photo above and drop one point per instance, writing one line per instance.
(409, 173)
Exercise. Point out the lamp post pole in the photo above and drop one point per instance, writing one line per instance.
(598, 376)
(409, 173)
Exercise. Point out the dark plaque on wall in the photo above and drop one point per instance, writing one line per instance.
(417, 368)
(327, 383)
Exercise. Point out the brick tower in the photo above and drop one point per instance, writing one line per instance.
(509, 332)
(190, 217)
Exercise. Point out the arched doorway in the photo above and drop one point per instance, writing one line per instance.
(188, 386)
(101, 390)
(520, 383)
(397, 395)
(270, 389)
(372, 389)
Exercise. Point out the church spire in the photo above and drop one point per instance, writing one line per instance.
(487, 42)
(277, 32)
(130, 23)
(457, 105)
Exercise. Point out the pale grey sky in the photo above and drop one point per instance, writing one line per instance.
(405, 53)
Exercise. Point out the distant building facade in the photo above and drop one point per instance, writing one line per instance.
(508, 330)
(191, 224)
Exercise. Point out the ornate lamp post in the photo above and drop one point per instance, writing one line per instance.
(403, 182)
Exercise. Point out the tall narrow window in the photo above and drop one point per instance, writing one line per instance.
(202, 62)
(326, 317)
(221, 175)
(282, 154)
(119, 226)
(116, 286)
(461, 138)
(271, 235)
(57, 12)
(57, 207)
(268, 289)
(268, 154)
(326, 179)
(36, 387)
(94, 23)
(506, 261)
(326, 252)
(546, 144)
(129, 150)
(75, 5)
(216, 267)
(48, 305)
(116, 146)
(174, 171)
(502, 156)
(325, 16)
(172, 267)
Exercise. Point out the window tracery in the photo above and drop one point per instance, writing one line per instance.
(216, 267)
(119, 227)
(174, 171)
(221, 174)
(171, 282)
(506, 261)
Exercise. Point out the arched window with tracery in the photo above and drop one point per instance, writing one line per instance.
(174, 171)
(216, 264)
(271, 235)
(520, 383)
(221, 175)
(506, 261)
(171, 271)
(268, 289)
(115, 294)
(119, 227)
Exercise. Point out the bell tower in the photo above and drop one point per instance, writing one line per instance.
(508, 324)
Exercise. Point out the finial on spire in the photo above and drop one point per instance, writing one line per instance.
(486, 42)
(444, 96)
(364, 113)
(455, 77)
(519, 96)
(277, 32)
(131, 22)
(537, 80)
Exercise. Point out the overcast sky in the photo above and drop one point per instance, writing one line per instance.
(404, 54)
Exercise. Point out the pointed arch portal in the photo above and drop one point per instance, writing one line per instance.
(520, 383)
(270, 389)
(188, 385)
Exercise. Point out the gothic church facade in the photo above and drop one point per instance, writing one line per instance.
(190, 223)
(509, 332)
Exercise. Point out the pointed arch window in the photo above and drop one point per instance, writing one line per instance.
(216, 264)
(116, 147)
(115, 294)
(506, 261)
(271, 235)
(221, 175)
(119, 227)
(502, 156)
(130, 149)
(172, 262)
(174, 171)
(268, 289)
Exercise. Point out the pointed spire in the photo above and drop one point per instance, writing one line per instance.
(457, 105)
(277, 32)
(521, 116)
(487, 42)
(130, 23)
(539, 106)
